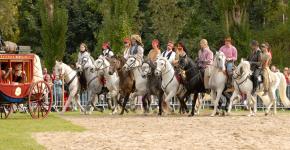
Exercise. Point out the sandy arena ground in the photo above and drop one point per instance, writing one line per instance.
(172, 132)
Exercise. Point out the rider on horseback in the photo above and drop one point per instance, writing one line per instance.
(255, 61)
(106, 50)
(136, 49)
(155, 51)
(266, 60)
(127, 45)
(83, 57)
(204, 59)
(231, 55)
(169, 53)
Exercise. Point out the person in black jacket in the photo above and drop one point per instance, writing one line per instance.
(255, 61)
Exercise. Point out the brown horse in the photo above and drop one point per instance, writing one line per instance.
(126, 80)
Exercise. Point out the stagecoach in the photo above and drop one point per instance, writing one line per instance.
(33, 92)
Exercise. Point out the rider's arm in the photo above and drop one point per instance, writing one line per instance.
(234, 54)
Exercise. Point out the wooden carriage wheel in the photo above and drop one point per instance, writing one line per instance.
(5, 110)
(40, 99)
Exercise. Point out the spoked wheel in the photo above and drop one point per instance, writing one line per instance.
(5, 110)
(40, 100)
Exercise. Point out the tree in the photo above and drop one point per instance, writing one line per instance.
(168, 18)
(9, 19)
(53, 31)
(29, 24)
(118, 22)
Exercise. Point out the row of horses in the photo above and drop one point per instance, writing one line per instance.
(127, 79)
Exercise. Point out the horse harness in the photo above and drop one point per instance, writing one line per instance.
(238, 84)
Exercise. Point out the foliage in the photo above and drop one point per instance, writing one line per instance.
(53, 31)
(96, 21)
(117, 22)
(29, 25)
(9, 19)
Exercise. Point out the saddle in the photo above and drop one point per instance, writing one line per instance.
(103, 80)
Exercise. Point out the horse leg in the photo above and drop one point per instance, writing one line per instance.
(124, 103)
(193, 104)
(77, 100)
(233, 97)
(160, 99)
(144, 103)
(67, 103)
(133, 102)
(273, 99)
(228, 96)
(114, 97)
(168, 97)
(218, 96)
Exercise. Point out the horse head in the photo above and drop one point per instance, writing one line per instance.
(100, 65)
(161, 66)
(146, 69)
(183, 62)
(220, 60)
(244, 68)
(115, 64)
(132, 63)
(58, 69)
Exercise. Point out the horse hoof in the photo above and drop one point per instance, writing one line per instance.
(266, 114)
(212, 115)
(191, 115)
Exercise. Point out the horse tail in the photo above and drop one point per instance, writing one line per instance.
(282, 90)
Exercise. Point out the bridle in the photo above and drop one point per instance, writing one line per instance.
(102, 65)
(238, 77)
(163, 68)
(133, 63)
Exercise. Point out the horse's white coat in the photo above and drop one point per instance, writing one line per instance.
(170, 84)
(112, 81)
(65, 71)
(218, 79)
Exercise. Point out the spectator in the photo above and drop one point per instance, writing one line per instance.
(287, 75)
(273, 68)
(45, 74)
(57, 90)
(53, 76)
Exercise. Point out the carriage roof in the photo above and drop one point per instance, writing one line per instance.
(17, 57)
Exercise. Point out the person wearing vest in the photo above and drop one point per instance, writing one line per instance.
(155, 51)
(136, 49)
(265, 59)
(255, 61)
(127, 45)
(106, 50)
(83, 55)
(204, 59)
(169, 53)
(231, 56)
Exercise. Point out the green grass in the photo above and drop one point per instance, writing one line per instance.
(15, 132)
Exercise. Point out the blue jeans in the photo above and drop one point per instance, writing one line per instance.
(229, 67)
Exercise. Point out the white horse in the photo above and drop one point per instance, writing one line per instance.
(94, 85)
(243, 85)
(135, 65)
(277, 82)
(71, 79)
(102, 66)
(169, 84)
(218, 79)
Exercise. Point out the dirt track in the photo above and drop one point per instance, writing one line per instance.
(178, 132)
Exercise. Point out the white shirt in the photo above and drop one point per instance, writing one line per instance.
(172, 56)
(108, 53)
